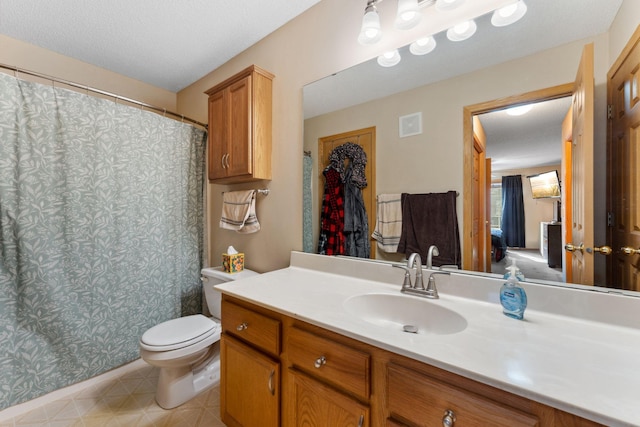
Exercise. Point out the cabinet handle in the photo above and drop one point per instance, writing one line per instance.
(320, 362)
(272, 389)
(222, 161)
(242, 326)
(226, 160)
(361, 421)
(449, 418)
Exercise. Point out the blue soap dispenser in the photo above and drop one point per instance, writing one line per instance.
(512, 296)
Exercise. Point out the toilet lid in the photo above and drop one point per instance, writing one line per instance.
(179, 332)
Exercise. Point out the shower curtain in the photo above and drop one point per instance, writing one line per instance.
(101, 223)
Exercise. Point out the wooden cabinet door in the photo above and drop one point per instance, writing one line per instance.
(218, 117)
(249, 386)
(318, 405)
(240, 120)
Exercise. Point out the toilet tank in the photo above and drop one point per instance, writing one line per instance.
(215, 276)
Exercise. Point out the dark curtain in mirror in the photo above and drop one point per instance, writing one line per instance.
(513, 211)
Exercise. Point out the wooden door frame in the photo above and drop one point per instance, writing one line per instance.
(468, 112)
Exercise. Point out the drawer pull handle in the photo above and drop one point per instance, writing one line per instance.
(361, 421)
(272, 389)
(449, 418)
(320, 362)
(242, 326)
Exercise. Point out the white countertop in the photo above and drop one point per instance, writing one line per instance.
(582, 366)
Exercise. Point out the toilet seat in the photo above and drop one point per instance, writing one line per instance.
(179, 333)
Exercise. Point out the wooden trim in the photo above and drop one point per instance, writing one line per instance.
(468, 112)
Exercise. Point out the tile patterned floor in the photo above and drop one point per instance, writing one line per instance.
(126, 401)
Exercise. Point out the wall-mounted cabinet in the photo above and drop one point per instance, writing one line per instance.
(240, 116)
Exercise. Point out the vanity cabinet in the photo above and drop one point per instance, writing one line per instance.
(332, 380)
(240, 115)
(249, 367)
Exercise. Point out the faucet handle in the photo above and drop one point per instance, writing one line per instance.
(432, 291)
(407, 276)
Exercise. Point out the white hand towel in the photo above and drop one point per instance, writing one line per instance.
(389, 221)
(239, 211)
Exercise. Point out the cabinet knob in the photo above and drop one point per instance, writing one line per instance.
(630, 251)
(242, 326)
(449, 418)
(320, 362)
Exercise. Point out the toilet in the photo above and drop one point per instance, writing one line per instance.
(187, 349)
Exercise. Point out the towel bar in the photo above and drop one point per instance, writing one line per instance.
(263, 191)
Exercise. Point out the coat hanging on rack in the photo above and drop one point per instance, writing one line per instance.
(344, 217)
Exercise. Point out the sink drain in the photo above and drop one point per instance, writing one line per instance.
(410, 328)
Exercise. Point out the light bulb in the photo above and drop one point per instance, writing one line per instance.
(370, 33)
(408, 15)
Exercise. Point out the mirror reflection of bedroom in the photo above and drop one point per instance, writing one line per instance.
(525, 149)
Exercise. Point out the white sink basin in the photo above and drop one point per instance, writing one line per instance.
(405, 313)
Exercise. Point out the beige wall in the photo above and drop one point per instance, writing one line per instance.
(22, 55)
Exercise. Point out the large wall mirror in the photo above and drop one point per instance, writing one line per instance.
(495, 67)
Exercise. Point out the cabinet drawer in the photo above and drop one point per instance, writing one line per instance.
(423, 401)
(330, 361)
(252, 327)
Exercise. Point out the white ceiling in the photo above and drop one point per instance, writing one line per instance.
(166, 43)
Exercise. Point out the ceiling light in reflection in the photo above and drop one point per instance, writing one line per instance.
(509, 14)
(519, 110)
(462, 31)
(389, 59)
(422, 46)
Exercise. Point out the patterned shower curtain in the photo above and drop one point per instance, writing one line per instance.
(100, 233)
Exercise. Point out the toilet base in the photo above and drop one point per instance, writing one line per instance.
(179, 385)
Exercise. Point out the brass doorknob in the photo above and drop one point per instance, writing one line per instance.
(604, 250)
(629, 250)
(572, 248)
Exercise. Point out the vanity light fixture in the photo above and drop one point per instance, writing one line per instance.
(389, 59)
(422, 46)
(408, 15)
(509, 14)
(462, 31)
(370, 32)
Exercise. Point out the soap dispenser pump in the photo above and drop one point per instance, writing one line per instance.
(518, 274)
(512, 296)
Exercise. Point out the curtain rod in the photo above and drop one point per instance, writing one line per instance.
(164, 111)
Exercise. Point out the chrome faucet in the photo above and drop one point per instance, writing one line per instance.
(433, 251)
(413, 259)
